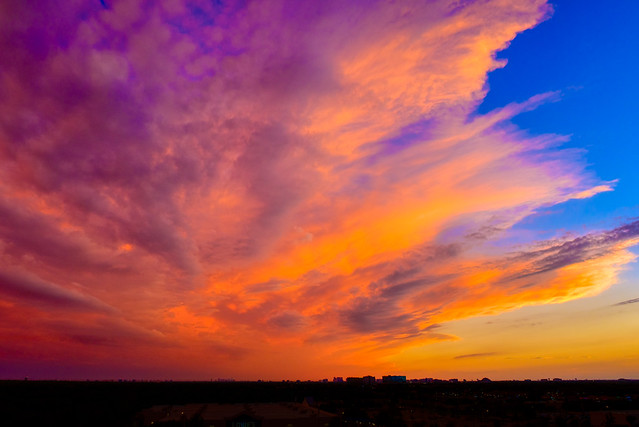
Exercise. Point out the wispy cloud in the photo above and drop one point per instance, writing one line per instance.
(630, 301)
(474, 355)
(24, 286)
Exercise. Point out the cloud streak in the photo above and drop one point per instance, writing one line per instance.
(30, 288)
(474, 355)
(630, 301)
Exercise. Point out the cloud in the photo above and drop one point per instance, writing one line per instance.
(240, 176)
(24, 286)
(288, 320)
(630, 301)
(560, 254)
(566, 269)
(474, 355)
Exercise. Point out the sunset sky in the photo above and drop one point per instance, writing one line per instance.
(197, 189)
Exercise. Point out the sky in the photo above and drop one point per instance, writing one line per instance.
(197, 189)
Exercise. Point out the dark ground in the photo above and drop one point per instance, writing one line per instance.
(494, 404)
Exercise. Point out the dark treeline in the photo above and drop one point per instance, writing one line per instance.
(498, 403)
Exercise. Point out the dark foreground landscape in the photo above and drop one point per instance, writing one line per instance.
(299, 404)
